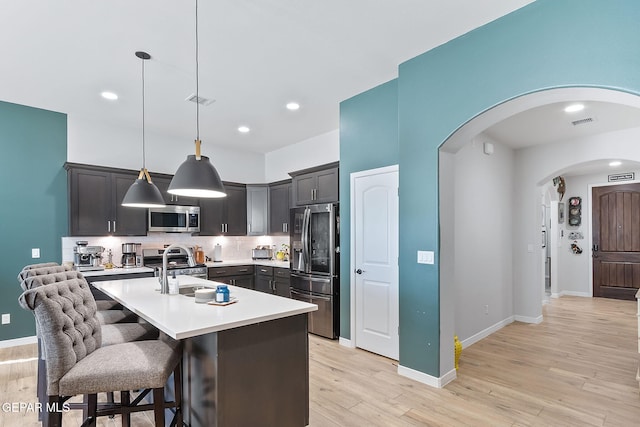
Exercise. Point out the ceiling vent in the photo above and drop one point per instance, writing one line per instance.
(200, 100)
(583, 121)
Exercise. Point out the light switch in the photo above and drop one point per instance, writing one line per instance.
(35, 253)
(425, 257)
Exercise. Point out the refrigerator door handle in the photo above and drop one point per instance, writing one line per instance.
(305, 240)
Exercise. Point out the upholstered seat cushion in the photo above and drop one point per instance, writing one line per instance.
(126, 332)
(129, 366)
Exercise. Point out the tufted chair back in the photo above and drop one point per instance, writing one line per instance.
(46, 279)
(40, 265)
(40, 271)
(69, 329)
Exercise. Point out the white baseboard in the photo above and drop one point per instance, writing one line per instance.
(346, 342)
(486, 332)
(426, 378)
(527, 319)
(575, 294)
(18, 341)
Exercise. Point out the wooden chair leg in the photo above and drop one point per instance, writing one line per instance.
(158, 405)
(92, 408)
(177, 386)
(110, 399)
(41, 381)
(125, 401)
(53, 417)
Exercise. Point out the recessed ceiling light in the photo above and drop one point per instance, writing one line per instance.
(293, 106)
(243, 129)
(615, 163)
(109, 95)
(573, 108)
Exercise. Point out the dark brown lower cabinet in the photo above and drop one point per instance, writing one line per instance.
(272, 280)
(237, 275)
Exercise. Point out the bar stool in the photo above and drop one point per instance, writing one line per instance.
(115, 333)
(78, 364)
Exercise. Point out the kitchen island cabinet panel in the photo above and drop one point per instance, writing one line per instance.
(95, 202)
(256, 375)
(279, 205)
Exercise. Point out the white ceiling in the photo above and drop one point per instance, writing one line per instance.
(549, 123)
(255, 56)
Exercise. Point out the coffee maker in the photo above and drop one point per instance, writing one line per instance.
(87, 258)
(131, 255)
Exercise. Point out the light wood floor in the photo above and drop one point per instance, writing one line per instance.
(577, 368)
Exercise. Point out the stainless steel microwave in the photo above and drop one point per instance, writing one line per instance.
(175, 219)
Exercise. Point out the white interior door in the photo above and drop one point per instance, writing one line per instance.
(375, 260)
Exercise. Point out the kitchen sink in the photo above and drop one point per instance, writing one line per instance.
(190, 290)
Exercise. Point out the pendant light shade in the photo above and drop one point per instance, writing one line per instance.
(143, 193)
(196, 176)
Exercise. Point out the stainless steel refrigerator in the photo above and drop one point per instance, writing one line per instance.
(314, 264)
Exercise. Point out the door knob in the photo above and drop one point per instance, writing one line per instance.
(359, 271)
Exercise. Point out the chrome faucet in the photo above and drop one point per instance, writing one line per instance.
(164, 283)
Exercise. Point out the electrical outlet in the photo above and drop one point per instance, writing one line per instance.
(35, 253)
(6, 318)
(486, 309)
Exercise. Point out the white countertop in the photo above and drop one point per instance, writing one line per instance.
(249, 261)
(181, 317)
(117, 270)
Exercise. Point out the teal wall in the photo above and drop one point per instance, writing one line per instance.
(33, 213)
(547, 44)
(368, 140)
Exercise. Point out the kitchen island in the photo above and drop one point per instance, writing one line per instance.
(244, 364)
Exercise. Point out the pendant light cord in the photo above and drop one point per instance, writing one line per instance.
(197, 81)
(144, 166)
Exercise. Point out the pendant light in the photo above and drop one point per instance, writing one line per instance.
(143, 193)
(196, 176)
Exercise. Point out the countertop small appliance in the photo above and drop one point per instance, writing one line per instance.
(262, 252)
(131, 256)
(87, 258)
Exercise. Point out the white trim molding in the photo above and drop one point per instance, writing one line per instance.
(346, 342)
(427, 379)
(527, 319)
(486, 332)
(18, 341)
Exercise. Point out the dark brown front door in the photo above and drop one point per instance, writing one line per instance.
(616, 241)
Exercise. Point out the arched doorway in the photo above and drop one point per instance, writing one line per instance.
(490, 193)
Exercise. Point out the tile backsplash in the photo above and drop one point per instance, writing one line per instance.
(233, 247)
